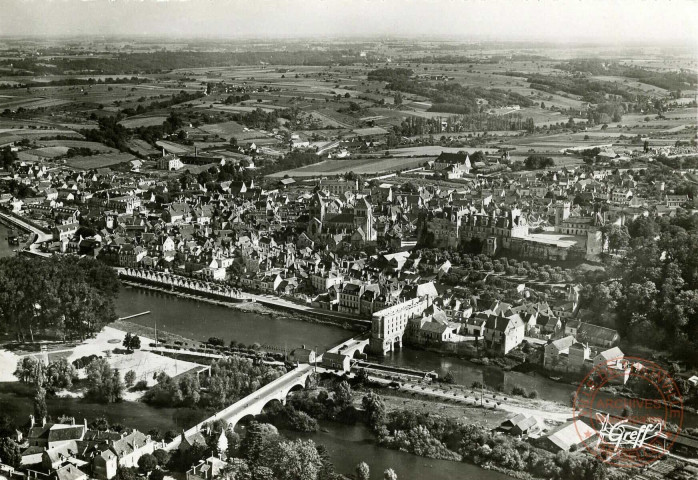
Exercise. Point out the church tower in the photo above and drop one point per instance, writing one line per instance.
(363, 217)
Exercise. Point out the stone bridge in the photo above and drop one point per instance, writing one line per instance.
(351, 347)
(254, 403)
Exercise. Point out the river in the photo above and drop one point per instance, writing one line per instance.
(349, 445)
(200, 320)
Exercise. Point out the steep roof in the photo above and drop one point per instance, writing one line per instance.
(563, 343)
(129, 443)
(69, 472)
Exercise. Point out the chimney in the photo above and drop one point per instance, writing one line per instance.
(43, 422)
(31, 421)
(84, 423)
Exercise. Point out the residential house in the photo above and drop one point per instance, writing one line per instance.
(504, 333)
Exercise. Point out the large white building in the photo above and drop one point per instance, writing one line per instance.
(170, 162)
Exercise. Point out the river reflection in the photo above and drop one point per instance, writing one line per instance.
(349, 445)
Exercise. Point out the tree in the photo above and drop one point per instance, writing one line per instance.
(40, 409)
(162, 456)
(147, 463)
(259, 438)
(10, 452)
(27, 369)
(617, 236)
(397, 99)
(7, 158)
(362, 471)
(292, 460)
(73, 296)
(104, 383)
(60, 374)
(156, 474)
(342, 395)
(124, 473)
(389, 474)
(130, 378)
(535, 162)
(131, 342)
(7, 426)
(100, 424)
(374, 407)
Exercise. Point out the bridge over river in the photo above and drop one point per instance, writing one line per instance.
(254, 403)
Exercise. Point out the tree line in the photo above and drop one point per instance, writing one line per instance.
(57, 296)
(651, 294)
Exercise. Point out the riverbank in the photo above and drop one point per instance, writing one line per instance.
(277, 311)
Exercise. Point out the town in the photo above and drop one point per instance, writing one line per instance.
(325, 258)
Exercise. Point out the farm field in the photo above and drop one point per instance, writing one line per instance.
(365, 166)
(225, 130)
(435, 151)
(79, 144)
(142, 147)
(174, 147)
(99, 161)
(49, 152)
(135, 122)
(236, 108)
(28, 103)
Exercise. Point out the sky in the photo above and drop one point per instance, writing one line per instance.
(563, 21)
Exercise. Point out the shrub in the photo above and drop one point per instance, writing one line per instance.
(141, 385)
(518, 391)
(82, 362)
(130, 378)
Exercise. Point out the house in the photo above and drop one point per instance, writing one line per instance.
(207, 469)
(612, 363)
(53, 458)
(675, 201)
(504, 333)
(608, 356)
(302, 355)
(336, 361)
(70, 472)
(65, 231)
(549, 324)
(521, 424)
(555, 349)
(50, 435)
(123, 453)
(564, 437)
(187, 442)
(597, 335)
(475, 325)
